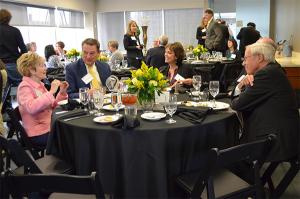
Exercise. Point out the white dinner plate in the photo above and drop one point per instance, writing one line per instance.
(219, 105)
(105, 119)
(110, 107)
(63, 102)
(153, 116)
(197, 62)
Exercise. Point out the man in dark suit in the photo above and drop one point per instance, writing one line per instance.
(87, 71)
(247, 35)
(156, 56)
(267, 102)
(214, 36)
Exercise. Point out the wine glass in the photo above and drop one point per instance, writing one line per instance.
(98, 97)
(84, 96)
(117, 64)
(116, 101)
(214, 90)
(124, 63)
(171, 107)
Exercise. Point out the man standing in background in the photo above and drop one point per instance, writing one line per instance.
(12, 46)
(156, 56)
(214, 35)
(247, 35)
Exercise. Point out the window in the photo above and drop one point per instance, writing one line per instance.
(152, 19)
(40, 16)
(69, 19)
(230, 19)
(110, 27)
(181, 25)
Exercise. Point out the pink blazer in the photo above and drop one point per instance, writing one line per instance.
(36, 105)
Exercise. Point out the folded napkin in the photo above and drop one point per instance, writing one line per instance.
(194, 115)
(71, 105)
(125, 124)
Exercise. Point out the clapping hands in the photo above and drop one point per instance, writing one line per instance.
(55, 84)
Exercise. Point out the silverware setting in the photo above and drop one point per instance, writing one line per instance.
(77, 117)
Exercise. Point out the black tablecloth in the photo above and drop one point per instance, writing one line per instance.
(142, 162)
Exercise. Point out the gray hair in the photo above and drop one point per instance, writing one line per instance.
(163, 40)
(267, 50)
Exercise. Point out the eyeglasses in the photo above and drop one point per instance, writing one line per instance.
(246, 57)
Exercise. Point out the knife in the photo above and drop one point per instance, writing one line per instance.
(74, 118)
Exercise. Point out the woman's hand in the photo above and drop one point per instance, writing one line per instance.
(63, 87)
(187, 81)
(54, 86)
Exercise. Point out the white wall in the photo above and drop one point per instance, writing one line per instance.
(286, 21)
(133, 5)
(257, 11)
(225, 5)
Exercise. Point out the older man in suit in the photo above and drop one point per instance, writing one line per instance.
(156, 56)
(214, 36)
(87, 71)
(267, 102)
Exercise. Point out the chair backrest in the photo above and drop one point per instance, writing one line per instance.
(229, 75)
(22, 185)
(5, 98)
(255, 152)
(18, 155)
(22, 136)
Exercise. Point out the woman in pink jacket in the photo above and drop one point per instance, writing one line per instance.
(35, 101)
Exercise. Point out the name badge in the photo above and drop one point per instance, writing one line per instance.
(203, 30)
(87, 78)
(178, 77)
(133, 38)
(233, 56)
(38, 93)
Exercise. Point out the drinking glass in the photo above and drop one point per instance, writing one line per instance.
(197, 83)
(116, 101)
(214, 90)
(98, 98)
(84, 96)
(171, 107)
(117, 64)
(124, 63)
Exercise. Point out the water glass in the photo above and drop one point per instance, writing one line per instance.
(98, 98)
(116, 101)
(171, 107)
(84, 96)
(214, 90)
(124, 63)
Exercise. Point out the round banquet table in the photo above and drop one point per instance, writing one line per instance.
(141, 162)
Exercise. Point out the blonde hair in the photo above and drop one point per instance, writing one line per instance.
(265, 49)
(27, 62)
(129, 27)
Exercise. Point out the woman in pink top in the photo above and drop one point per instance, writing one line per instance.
(35, 101)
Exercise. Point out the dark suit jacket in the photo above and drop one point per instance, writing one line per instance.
(130, 46)
(269, 106)
(199, 35)
(76, 70)
(247, 35)
(156, 57)
(214, 37)
(11, 44)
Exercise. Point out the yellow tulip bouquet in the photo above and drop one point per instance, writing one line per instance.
(73, 53)
(145, 81)
(199, 50)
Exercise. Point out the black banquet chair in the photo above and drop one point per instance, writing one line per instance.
(16, 120)
(56, 185)
(219, 181)
(49, 164)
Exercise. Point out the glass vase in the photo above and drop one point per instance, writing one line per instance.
(147, 105)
